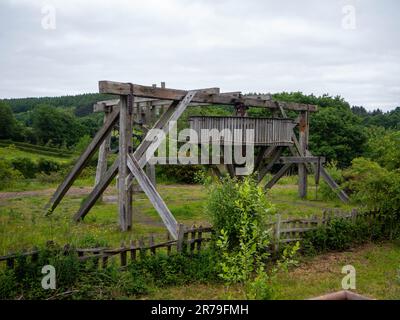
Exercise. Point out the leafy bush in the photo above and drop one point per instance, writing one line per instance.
(339, 234)
(26, 166)
(48, 166)
(374, 187)
(8, 175)
(231, 200)
(178, 173)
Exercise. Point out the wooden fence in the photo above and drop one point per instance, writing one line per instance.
(287, 230)
(191, 240)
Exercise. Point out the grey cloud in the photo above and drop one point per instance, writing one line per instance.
(237, 45)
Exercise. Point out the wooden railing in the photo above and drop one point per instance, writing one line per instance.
(190, 240)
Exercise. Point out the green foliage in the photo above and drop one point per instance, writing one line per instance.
(231, 200)
(335, 132)
(384, 147)
(86, 281)
(8, 175)
(374, 187)
(26, 166)
(56, 127)
(82, 143)
(179, 173)
(29, 168)
(324, 190)
(47, 166)
(388, 120)
(339, 234)
(8, 124)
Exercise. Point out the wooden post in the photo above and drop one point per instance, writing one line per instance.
(125, 144)
(277, 232)
(181, 235)
(303, 147)
(123, 255)
(102, 159)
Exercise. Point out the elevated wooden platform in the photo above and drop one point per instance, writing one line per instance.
(267, 131)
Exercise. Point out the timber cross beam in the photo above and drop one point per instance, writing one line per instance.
(207, 96)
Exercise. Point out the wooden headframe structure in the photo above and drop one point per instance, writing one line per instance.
(155, 107)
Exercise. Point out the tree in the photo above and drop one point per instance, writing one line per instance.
(8, 124)
(56, 126)
(335, 132)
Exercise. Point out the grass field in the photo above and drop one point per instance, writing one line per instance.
(23, 224)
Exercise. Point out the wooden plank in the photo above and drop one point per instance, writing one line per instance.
(102, 158)
(275, 153)
(154, 196)
(82, 161)
(335, 187)
(302, 170)
(125, 143)
(297, 160)
(279, 175)
(209, 97)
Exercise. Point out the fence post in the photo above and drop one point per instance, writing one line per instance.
(277, 232)
(123, 255)
(181, 236)
(200, 238)
(151, 245)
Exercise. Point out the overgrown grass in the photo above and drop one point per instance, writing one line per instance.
(377, 276)
(23, 224)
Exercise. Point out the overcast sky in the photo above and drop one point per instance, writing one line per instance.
(250, 46)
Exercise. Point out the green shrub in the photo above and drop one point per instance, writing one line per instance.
(340, 234)
(376, 189)
(26, 166)
(230, 199)
(179, 173)
(48, 166)
(8, 175)
(8, 284)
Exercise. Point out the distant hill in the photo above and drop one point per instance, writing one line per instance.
(81, 103)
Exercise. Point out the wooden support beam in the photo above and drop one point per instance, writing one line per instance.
(97, 191)
(303, 147)
(82, 161)
(154, 196)
(210, 96)
(260, 158)
(275, 153)
(279, 175)
(125, 142)
(332, 183)
(102, 158)
(303, 160)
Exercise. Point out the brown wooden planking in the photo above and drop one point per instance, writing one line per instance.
(210, 96)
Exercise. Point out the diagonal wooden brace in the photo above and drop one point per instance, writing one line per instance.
(97, 191)
(82, 161)
(154, 196)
